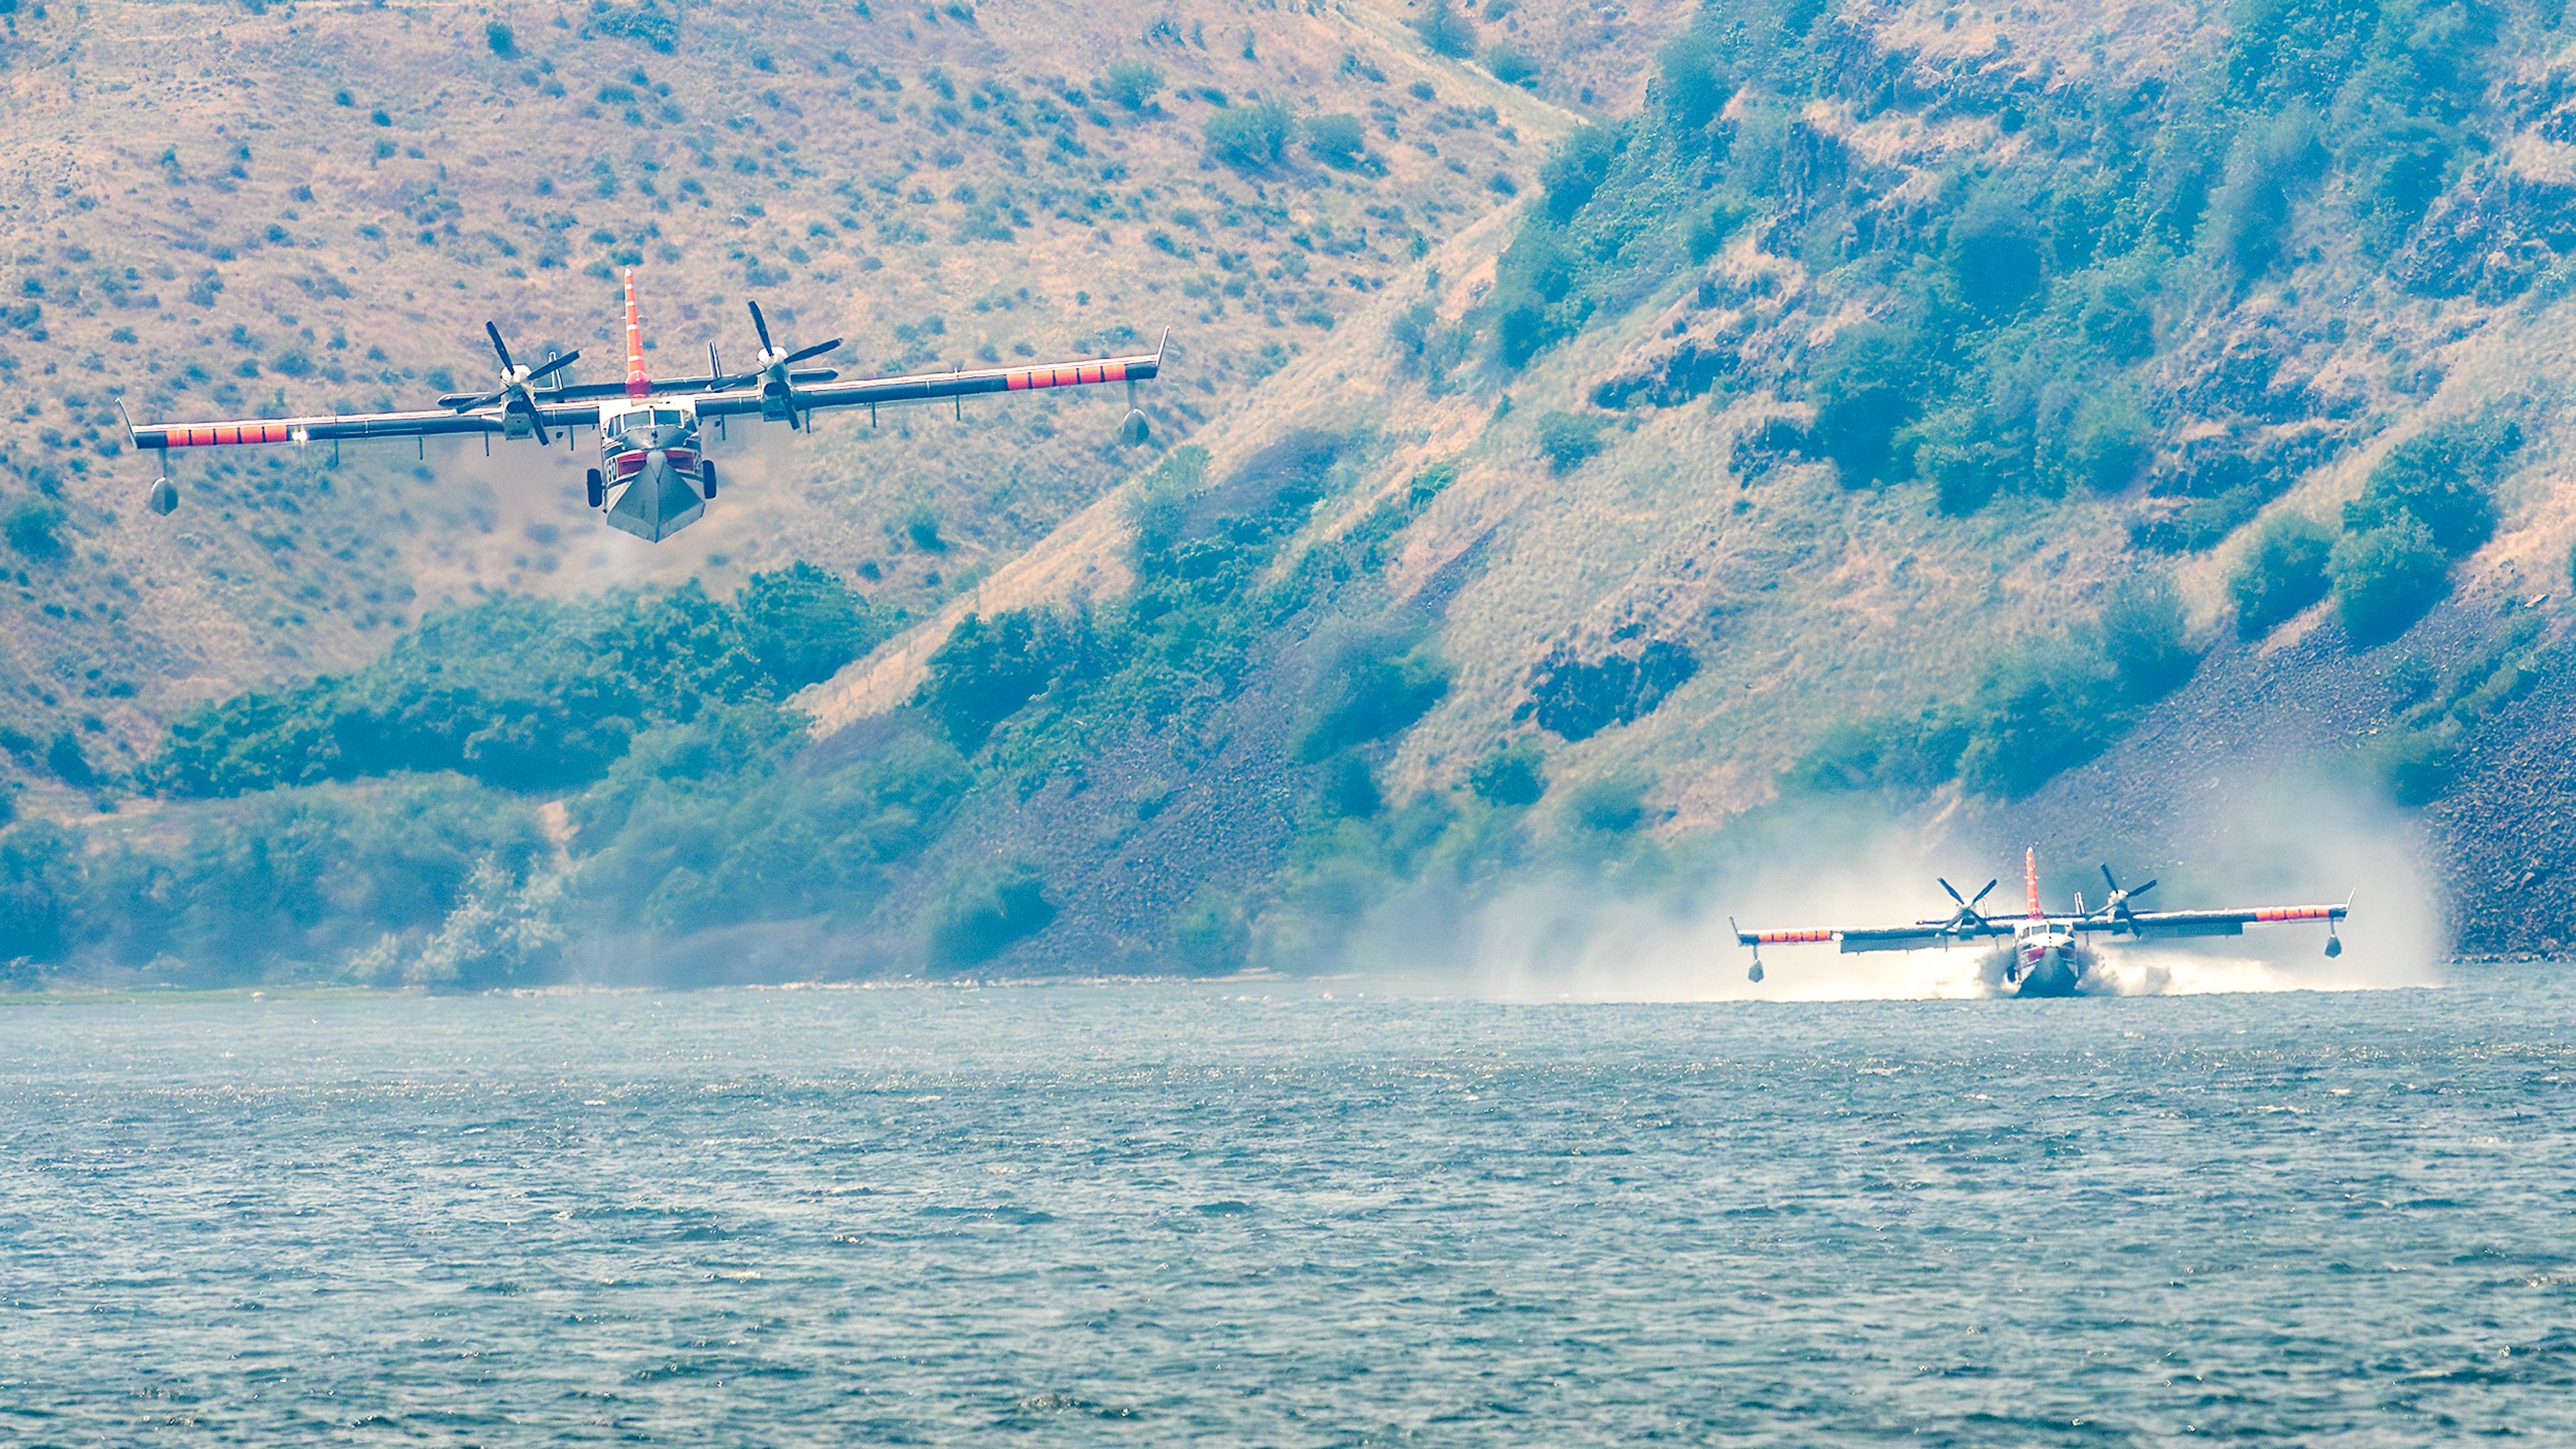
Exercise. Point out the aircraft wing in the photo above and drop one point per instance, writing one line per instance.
(932, 386)
(1922, 935)
(331, 427)
(2154, 924)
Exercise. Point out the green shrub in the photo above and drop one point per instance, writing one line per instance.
(1567, 440)
(1577, 700)
(1249, 137)
(64, 758)
(1160, 505)
(2416, 764)
(1712, 225)
(297, 877)
(1576, 168)
(43, 883)
(989, 669)
(2117, 316)
(2034, 715)
(1535, 300)
(983, 916)
(2402, 163)
(2282, 573)
(2250, 215)
(1350, 787)
(1992, 254)
(2105, 445)
(1211, 933)
(1337, 140)
(504, 44)
(1445, 31)
(2142, 629)
(1370, 688)
(1512, 777)
(921, 525)
(1864, 392)
(1968, 453)
(518, 693)
(1506, 64)
(1882, 752)
(706, 825)
(1612, 805)
(1696, 80)
(1133, 83)
(34, 528)
(803, 623)
(2386, 577)
(2441, 477)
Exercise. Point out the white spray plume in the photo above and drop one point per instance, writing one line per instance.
(2287, 838)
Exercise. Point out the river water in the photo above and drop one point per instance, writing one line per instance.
(1290, 1214)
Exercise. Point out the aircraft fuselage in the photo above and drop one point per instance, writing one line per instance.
(654, 477)
(2044, 961)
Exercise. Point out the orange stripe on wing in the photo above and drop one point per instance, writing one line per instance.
(1781, 938)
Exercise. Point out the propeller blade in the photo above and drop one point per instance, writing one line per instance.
(2142, 890)
(556, 365)
(2108, 880)
(538, 421)
(467, 405)
(1981, 895)
(1953, 890)
(760, 325)
(802, 353)
(499, 346)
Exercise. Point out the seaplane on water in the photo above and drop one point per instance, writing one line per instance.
(2049, 955)
(654, 477)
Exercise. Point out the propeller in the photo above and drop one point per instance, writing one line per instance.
(2117, 906)
(777, 392)
(513, 392)
(1967, 918)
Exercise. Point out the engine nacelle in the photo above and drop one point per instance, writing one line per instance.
(777, 401)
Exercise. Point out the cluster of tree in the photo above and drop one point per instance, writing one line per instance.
(527, 694)
(2427, 504)
(2035, 711)
(2017, 310)
(351, 811)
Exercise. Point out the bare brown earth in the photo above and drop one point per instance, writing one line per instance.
(222, 212)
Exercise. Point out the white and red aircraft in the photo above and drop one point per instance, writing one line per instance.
(2048, 955)
(653, 477)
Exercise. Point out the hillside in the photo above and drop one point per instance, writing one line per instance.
(1910, 422)
(277, 216)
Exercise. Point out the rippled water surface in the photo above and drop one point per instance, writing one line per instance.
(1168, 1214)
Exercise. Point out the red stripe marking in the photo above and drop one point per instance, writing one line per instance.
(1775, 938)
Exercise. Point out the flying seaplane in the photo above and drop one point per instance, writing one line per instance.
(654, 477)
(2049, 954)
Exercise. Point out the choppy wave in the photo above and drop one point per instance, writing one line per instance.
(1273, 1213)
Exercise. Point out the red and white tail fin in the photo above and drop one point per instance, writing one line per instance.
(637, 385)
(2030, 879)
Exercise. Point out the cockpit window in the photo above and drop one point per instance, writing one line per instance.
(666, 417)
